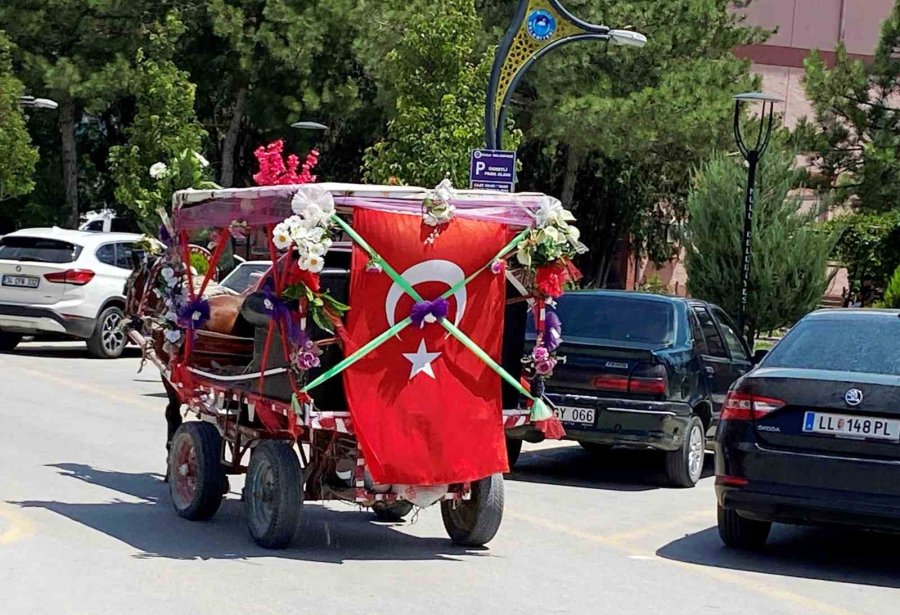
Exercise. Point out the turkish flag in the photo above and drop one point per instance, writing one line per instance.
(426, 410)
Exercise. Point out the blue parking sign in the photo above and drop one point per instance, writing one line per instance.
(492, 169)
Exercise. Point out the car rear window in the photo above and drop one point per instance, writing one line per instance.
(38, 250)
(617, 319)
(846, 344)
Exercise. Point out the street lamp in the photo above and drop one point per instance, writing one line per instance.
(538, 27)
(31, 102)
(752, 156)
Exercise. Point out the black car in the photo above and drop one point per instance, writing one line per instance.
(642, 370)
(812, 435)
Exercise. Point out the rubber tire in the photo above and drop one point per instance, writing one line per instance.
(596, 448)
(287, 483)
(9, 341)
(740, 533)
(95, 341)
(392, 511)
(513, 450)
(677, 471)
(481, 514)
(211, 474)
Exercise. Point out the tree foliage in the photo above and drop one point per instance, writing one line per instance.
(623, 127)
(17, 156)
(164, 127)
(788, 274)
(857, 147)
(438, 74)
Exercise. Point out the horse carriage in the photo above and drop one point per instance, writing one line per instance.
(378, 360)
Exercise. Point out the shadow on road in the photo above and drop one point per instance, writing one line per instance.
(151, 526)
(862, 558)
(68, 350)
(616, 470)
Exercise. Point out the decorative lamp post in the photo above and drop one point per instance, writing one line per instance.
(539, 26)
(751, 155)
(30, 102)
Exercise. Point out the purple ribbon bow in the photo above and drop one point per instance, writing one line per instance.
(278, 309)
(422, 309)
(194, 314)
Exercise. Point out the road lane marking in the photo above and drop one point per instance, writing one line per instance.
(620, 542)
(94, 389)
(20, 526)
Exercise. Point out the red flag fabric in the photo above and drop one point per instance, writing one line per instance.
(426, 410)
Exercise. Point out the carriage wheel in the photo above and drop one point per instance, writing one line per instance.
(392, 511)
(274, 494)
(196, 475)
(474, 522)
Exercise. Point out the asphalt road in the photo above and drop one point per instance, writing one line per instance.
(86, 527)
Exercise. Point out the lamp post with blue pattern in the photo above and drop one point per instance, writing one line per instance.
(539, 26)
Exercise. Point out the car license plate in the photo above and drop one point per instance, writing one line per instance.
(21, 281)
(584, 416)
(842, 425)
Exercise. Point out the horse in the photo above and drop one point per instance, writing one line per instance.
(141, 302)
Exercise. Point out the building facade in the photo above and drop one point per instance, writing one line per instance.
(801, 26)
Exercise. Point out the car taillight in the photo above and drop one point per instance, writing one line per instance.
(615, 384)
(646, 380)
(75, 277)
(740, 406)
(649, 380)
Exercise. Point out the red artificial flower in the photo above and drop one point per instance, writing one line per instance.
(295, 276)
(274, 171)
(550, 279)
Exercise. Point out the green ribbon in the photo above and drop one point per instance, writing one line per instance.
(539, 409)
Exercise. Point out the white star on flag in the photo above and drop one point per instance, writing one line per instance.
(421, 360)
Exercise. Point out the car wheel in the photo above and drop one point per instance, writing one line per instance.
(595, 448)
(108, 339)
(9, 341)
(740, 533)
(513, 450)
(685, 465)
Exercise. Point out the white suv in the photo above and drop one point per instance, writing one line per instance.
(56, 281)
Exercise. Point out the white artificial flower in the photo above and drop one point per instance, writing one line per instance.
(168, 275)
(203, 161)
(159, 170)
(444, 191)
(312, 195)
(524, 257)
(312, 263)
(281, 237)
(552, 212)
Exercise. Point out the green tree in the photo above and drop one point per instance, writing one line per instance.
(790, 251)
(857, 147)
(617, 130)
(76, 52)
(17, 156)
(163, 129)
(437, 73)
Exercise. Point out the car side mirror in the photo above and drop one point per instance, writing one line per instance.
(758, 356)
